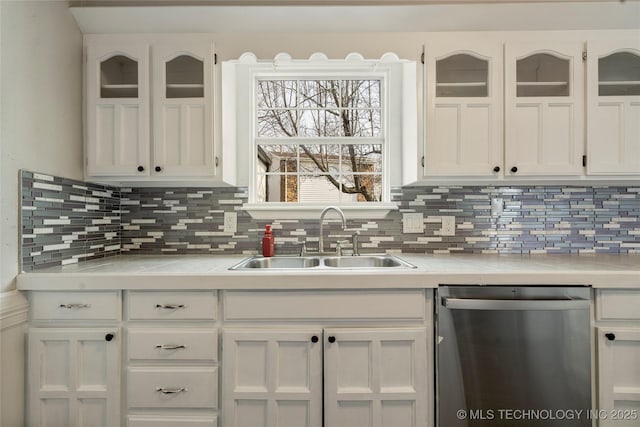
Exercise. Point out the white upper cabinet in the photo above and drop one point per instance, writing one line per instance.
(544, 109)
(117, 109)
(613, 111)
(464, 109)
(149, 107)
(183, 109)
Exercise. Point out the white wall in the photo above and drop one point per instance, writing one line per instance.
(41, 104)
(41, 130)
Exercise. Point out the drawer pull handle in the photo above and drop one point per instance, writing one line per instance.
(75, 306)
(170, 346)
(170, 306)
(170, 390)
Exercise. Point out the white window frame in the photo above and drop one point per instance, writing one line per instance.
(398, 123)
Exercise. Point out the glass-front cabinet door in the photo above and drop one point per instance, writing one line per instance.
(544, 113)
(464, 109)
(183, 109)
(117, 110)
(613, 112)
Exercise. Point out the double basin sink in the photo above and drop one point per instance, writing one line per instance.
(323, 262)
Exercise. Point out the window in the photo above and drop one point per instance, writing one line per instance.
(319, 141)
(309, 133)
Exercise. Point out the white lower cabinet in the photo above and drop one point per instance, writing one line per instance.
(618, 338)
(370, 377)
(172, 359)
(73, 367)
(74, 377)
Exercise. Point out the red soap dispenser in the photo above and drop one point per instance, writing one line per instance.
(268, 248)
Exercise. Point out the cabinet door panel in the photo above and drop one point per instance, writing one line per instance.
(183, 109)
(117, 106)
(463, 89)
(544, 99)
(613, 109)
(619, 375)
(376, 376)
(272, 378)
(73, 377)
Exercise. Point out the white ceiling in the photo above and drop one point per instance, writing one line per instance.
(557, 15)
(81, 3)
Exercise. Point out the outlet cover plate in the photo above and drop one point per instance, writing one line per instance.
(412, 222)
(230, 222)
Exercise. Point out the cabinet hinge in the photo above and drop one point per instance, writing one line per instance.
(422, 161)
(584, 161)
(215, 59)
(422, 57)
(584, 55)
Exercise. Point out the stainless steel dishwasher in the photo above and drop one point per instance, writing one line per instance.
(513, 356)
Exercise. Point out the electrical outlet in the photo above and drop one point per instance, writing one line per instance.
(412, 223)
(230, 222)
(448, 226)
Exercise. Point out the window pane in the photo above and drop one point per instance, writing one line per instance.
(319, 93)
(278, 158)
(366, 188)
(319, 123)
(277, 93)
(364, 123)
(276, 188)
(360, 94)
(320, 159)
(277, 123)
(319, 188)
(317, 172)
(365, 158)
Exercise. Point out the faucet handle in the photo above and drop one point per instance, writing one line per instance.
(303, 248)
(355, 237)
(340, 246)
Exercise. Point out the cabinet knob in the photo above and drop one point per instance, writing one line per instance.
(610, 336)
(332, 339)
(158, 169)
(140, 168)
(496, 169)
(108, 337)
(314, 338)
(514, 169)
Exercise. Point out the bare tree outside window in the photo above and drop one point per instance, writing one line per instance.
(340, 119)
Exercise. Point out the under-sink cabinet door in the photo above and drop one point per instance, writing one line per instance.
(375, 377)
(73, 377)
(619, 376)
(272, 378)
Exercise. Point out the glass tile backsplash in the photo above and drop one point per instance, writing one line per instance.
(66, 221)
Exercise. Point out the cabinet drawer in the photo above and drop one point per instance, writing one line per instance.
(159, 421)
(618, 304)
(103, 305)
(173, 387)
(312, 305)
(189, 305)
(173, 344)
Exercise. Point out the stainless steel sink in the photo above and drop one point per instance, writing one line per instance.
(367, 261)
(277, 262)
(323, 262)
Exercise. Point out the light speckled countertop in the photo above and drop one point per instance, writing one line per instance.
(212, 272)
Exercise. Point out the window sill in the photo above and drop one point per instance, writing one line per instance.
(274, 211)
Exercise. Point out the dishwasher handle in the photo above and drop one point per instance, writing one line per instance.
(514, 304)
